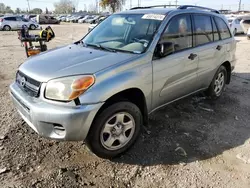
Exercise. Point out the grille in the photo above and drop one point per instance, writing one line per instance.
(28, 84)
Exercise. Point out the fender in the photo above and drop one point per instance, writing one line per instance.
(137, 74)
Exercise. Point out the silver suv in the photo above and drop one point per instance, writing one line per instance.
(102, 88)
(8, 23)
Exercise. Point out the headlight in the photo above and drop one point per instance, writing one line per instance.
(68, 88)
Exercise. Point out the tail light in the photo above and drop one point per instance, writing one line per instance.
(1, 19)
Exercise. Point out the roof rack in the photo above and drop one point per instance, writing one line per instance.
(198, 7)
(155, 6)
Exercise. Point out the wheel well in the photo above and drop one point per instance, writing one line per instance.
(227, 65)
(133, 95)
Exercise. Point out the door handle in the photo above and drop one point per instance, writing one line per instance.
(219, 47)
(192, 56)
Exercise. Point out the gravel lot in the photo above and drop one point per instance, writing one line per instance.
(194, 142)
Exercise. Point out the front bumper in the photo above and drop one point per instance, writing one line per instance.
(53, 120)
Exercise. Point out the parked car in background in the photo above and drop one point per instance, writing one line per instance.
(98, 21)
(68, 18)
(47, 19)
(235, 26)
(102, 88)
(90, 19)
(245, 24)
(30, 16)
(75, 20)
(60, 18)
(63, 19)
(83, 19)
(8, 23)
(94, 20)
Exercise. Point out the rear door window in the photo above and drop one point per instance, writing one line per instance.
(203, 31)
(223, 28)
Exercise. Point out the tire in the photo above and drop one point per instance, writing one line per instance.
(218, 83)
(6, 28)
(111, 146)
(32, 27)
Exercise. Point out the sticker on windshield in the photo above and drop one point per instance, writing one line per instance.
(153, 16)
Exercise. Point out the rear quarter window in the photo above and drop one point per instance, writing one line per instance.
(223, 28)
(10, 18)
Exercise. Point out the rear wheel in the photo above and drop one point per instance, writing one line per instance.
(218, 83)
(6, 28)
(115, 130)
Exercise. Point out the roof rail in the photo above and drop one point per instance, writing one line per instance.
(155, 6)
(198, 7)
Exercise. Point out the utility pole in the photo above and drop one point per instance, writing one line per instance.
(176, 3)
(239, 5)
(28, 5)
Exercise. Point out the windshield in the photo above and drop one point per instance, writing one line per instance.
(125, 32)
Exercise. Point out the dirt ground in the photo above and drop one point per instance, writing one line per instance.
(192, 143)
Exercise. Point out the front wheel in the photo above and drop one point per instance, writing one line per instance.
(32, 27)
(114, 130)
(218, 83)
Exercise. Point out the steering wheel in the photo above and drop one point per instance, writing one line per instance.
(143, 41)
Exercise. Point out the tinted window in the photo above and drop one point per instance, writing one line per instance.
(10, 18)
(18, 19)
(216, 35)
(237, 21)
(179, 33)
(222, 26)
(202, 30)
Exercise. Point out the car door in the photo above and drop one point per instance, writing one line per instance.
(208, 47)
(11, 21)
(20, 22)
(175, 75)
(227, 41)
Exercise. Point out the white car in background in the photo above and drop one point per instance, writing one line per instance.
(8, 23)
(235, 25)
(83, 19)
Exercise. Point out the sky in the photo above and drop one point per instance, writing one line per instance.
(225, 4)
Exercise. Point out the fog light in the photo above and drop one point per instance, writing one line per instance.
(59, 129)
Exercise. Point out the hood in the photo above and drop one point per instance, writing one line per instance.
(70, 60)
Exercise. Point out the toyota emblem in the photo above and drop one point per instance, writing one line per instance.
(22, 81)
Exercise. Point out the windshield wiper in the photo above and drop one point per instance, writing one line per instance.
(127, 51)
(101, 47)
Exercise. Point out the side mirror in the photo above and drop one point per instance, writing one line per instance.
(164, 49)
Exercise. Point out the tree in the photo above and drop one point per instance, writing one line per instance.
(64, 7)
(2, 8)
(36, 11)
(114, 5)
(17, 11)
(46, 11)
(8, 10)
